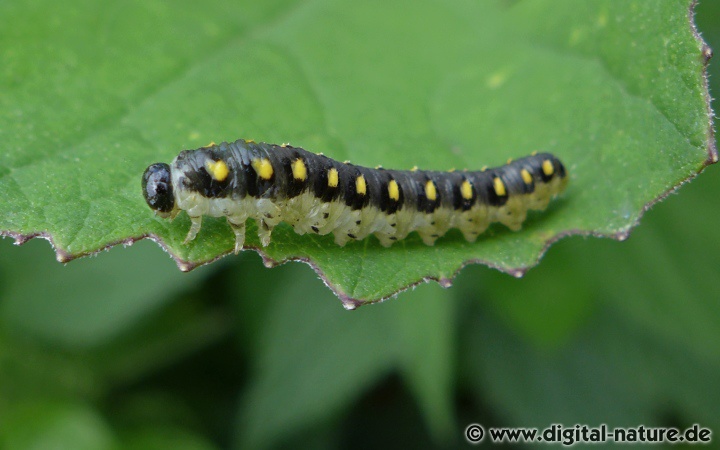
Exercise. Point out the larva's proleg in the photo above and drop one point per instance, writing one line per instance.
(316, 194)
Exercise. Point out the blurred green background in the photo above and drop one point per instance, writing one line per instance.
(124, 351)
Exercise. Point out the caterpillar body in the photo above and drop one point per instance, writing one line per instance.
(316, 194)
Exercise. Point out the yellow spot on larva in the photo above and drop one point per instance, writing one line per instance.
(210, 144)
(263, 168)
(284, 144)
(249, 141)
(299, 169)
(533, 153)
(430, 191)
(483, 168)
(333, 177)
(510, 160)
(499, 187)
(360, 185)
(217, 169)
(394, 190)
(466, 190)
(414, 169)
(527, 178)
(547, 167)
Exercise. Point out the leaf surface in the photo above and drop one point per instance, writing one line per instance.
(93, 94)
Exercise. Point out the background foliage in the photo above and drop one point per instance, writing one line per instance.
(123, 351)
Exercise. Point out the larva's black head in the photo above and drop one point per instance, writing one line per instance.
(158, 189)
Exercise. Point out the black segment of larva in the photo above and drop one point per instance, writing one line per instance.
(374, 186)
(485, 184)
(324, 167)
(511, 178)
(242, 170)
(425, 183)
(354, 186)
(406, 185)
(265, 184)
(386, 183)
(349, 175)
(528, 184)
(460, 201)
(445, 185)
(316, 194)
(396, 202)
(287, 183)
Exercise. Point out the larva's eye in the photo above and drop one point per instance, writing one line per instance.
(158, 190)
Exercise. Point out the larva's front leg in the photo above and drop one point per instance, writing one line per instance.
(239, 230)
(194, 229)
(268, 216)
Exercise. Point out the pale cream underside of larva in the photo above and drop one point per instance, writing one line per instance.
(308, 214)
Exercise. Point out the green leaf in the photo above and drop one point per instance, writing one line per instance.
(30, 373)
(528, 386)
(165, 438)
(56, 425)
(665, 277)
(92, 95)
(311, 363)
(91, 301)
(293, 387)
(426, 331)
(613, 372)
(550, 303)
